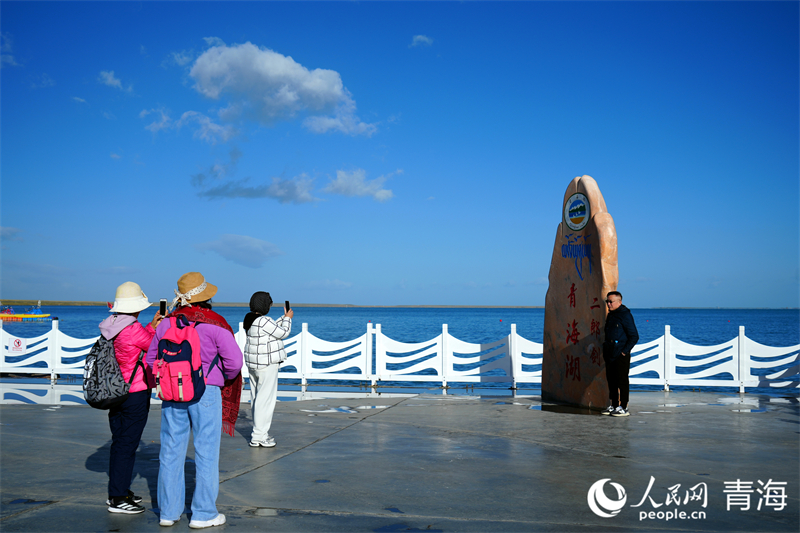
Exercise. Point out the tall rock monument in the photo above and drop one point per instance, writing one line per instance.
(583, 270)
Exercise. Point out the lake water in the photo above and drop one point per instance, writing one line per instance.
(708, 327)
(772, 327)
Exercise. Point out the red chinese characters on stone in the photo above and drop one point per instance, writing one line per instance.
(572, 296)
(595, 355)
(595, 328)
(595, 305)
(573, 368)
(574, 335)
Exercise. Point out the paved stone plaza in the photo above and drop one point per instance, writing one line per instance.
(434, 463)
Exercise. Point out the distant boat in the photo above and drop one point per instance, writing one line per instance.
(31, 314)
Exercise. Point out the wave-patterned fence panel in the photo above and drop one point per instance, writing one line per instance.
(714, 366)
(71, 353)
(666, 361)
(37, 356)
(526, 358)
(321, 359)
(408, 361)
(647, 363)
(771, 366)
(467, 362)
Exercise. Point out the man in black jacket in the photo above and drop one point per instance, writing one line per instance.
(620, 338)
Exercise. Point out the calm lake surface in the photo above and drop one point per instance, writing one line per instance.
(772, 327)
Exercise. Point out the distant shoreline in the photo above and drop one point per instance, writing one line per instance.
(244, 304)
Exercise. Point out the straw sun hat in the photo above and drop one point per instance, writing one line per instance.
(193, 288)
(129, 299)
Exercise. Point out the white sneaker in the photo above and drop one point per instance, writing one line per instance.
(200, 524)
(608, 410)
(620, 411)
(269, 442)
(167, 523)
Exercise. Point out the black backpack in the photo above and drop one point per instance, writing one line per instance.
(103, 384)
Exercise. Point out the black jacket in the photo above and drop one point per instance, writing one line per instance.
(620, 334)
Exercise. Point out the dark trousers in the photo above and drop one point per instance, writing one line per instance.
(617, 375)
(127, 423)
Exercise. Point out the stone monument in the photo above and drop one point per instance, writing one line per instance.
(582, 271)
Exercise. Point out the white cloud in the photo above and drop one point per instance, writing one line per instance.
(355, 184)
(241, 249)
(8, 233)
(114, 156)
(207, 129)
(263, 85)
(329, 284)
(81, 100)
(420, 40)
(41, 81)
(109, 116)
(214, 41)
(178, 58)
(107, 78)
(343, 120)
(162, 122)
(6, 50)
(218, 171)
(296, 190)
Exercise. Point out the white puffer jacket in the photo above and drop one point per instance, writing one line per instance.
(264, 344)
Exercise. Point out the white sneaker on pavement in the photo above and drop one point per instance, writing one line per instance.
(200, 524)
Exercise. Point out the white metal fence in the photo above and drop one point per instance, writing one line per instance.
(374, 358)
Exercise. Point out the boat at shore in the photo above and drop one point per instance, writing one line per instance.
(31, 314)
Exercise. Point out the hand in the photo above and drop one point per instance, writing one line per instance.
(289, 313)
(157, 318)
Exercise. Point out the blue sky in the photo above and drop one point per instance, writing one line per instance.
(381, 153)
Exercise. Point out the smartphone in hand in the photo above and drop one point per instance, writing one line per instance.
(162, 307)
(287, 306)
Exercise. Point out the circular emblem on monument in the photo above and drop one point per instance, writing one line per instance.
(576, 212)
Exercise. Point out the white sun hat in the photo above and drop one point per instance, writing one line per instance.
(129, 299)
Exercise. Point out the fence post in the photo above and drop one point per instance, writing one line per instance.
(241, 336)
(55, 350)
(744, 360)
(445, 358)
(368, 354)
(378, 351)
(512, 353)
(667, 358)
(3, 351)
(304, 357)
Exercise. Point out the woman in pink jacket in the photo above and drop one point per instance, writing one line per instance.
(127, 421)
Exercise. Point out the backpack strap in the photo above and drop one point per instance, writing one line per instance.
(135, 368)
(216, 360)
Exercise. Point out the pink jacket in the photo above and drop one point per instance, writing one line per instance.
(131, 339)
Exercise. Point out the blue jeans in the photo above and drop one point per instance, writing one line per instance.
(204, 418)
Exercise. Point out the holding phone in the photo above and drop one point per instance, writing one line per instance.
(162, 307)
(288, 307)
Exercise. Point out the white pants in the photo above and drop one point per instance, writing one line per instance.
(264, 392)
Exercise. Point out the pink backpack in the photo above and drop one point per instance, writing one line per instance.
(178, 369)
